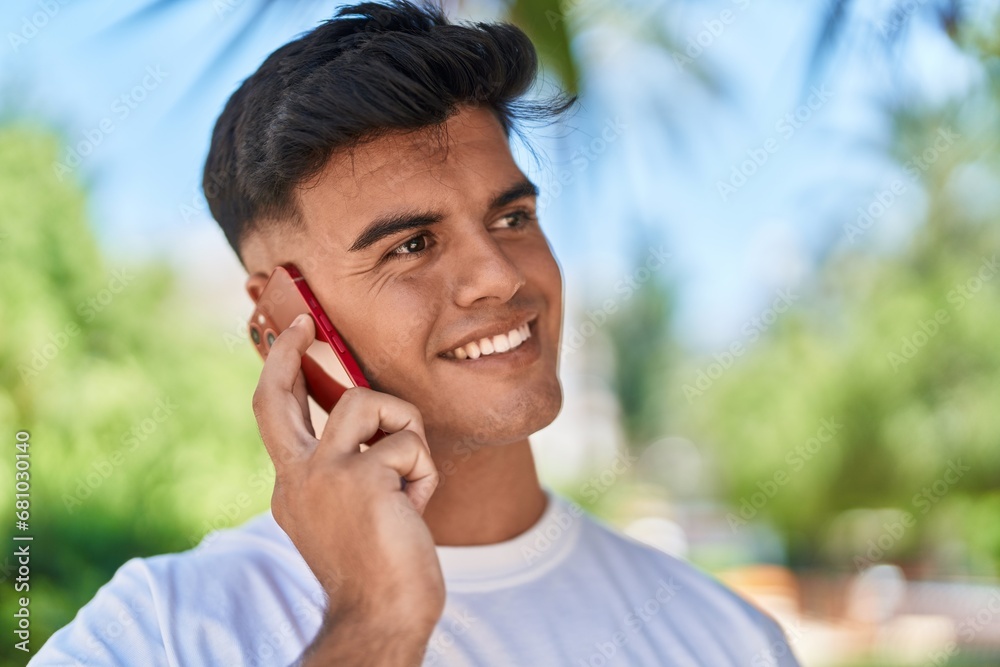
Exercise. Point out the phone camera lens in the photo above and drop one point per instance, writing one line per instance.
(270, 338)
(255, 335)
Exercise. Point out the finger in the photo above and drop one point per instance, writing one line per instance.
(282, 419)
(405, 453)
(301, 393)
(360, 412)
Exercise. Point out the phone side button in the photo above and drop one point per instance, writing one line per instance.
(336, 341)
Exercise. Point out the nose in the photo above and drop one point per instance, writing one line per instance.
(483, 271)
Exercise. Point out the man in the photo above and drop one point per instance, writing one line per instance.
(373, 153)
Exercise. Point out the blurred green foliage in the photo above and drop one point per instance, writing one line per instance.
(639, 335)
(141, 430)
(545, 22)
(892, 344)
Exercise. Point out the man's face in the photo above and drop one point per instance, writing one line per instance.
(460, 257)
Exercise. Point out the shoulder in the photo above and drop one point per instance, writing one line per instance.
(119, 626)
(246, 551)
(151, 606)
(698, 598)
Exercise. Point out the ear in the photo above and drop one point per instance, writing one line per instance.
(255, 285)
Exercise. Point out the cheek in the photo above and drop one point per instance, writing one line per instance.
(547, 275)
(392, 336)
(548, 278)
(556, 279)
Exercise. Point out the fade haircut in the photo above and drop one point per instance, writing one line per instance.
(372, 69)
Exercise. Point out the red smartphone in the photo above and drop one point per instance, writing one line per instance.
(328, 366)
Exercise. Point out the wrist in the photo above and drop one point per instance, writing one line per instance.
(351, 640)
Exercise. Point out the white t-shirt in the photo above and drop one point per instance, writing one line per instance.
(570, 591)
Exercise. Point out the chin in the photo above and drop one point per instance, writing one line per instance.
(509, 421)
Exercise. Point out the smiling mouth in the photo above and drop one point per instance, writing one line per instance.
(493, 346)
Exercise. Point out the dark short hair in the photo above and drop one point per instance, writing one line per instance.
(373, 68)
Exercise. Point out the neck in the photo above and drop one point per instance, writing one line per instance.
(486, 494)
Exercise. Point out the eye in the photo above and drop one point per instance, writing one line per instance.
(414, 246)
(519, 220)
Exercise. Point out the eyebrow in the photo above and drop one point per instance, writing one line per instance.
(393, 223)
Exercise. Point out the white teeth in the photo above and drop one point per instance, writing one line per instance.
(495, 345)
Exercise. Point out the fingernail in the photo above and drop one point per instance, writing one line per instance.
(299, 320)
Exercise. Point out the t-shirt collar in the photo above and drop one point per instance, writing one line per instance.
(518, 560)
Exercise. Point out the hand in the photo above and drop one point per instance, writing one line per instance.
(343, 508)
